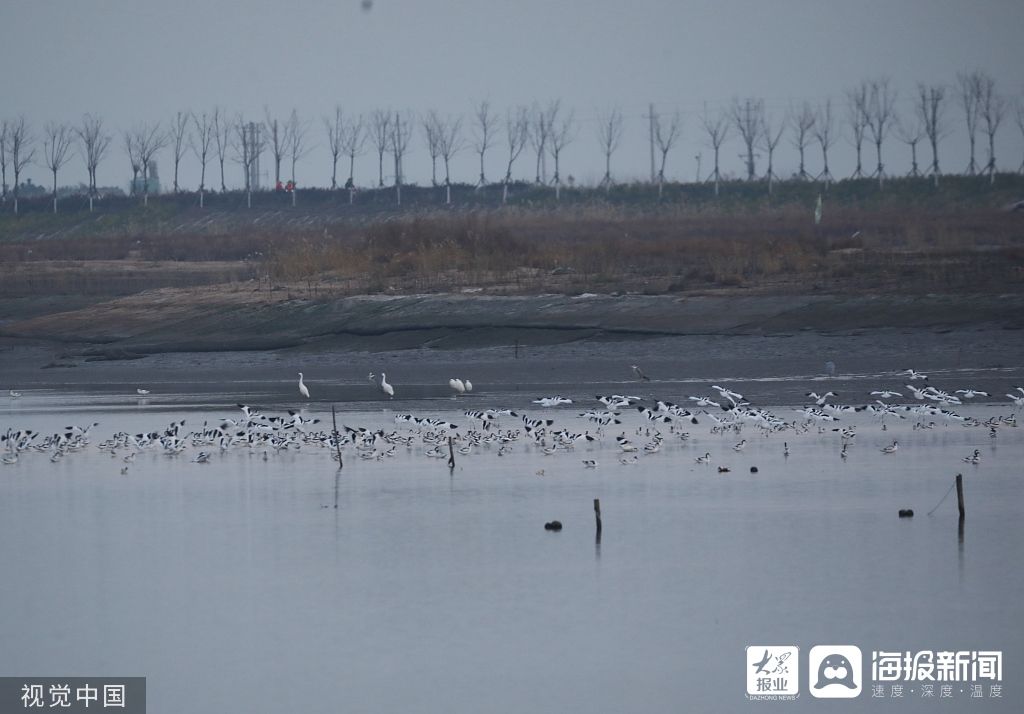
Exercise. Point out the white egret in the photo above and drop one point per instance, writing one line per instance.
(385, 387)
(303, 389)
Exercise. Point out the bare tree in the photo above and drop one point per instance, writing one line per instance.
(179, 141)
(249, 143)
(4, 131)
(277, 138)
(335, 134)
(769, 139)
(930, 109)
(483, 134)
(449, 143)
(430, 125)
(802, 122)
(665, 137)
(717, 129)
(353, 141)
(858, 118)
(825, 133)
(911, 132)
(94, 145)
(222, 139)
(561, 134)
(992, 107)
(19, 145)
(56, 151)
(200, 142)
(1019, 116)
(881, 114)
(969, 88)
(517, 131)
(748, 118)
(149, 139)
(338, 140)
(297, 148)
(540, 129)
(131, 148)
(609, 135)
(398, 143)
(380, 136)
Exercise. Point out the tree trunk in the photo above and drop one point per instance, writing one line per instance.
(55, 191)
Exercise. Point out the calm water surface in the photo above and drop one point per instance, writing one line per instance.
(236, 586)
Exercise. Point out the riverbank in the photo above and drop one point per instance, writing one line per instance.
(541, 343)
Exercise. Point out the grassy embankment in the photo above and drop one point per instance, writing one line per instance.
(909, 238)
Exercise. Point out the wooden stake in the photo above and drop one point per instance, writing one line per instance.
(597, 518)
(337, 439)
(451, 455)
(337, 445)
(960, 494)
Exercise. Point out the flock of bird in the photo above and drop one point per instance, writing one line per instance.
(631, 426)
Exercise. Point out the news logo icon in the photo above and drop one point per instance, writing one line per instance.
(835, 671)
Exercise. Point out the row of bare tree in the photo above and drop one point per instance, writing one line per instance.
(870, 116)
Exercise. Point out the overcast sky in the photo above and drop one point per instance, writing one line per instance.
(143, 60)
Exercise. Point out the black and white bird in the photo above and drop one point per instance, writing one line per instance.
(886, 394)
(552, 401)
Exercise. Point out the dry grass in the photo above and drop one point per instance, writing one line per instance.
(598, 248)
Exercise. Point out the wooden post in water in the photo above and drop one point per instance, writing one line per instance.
(960, 495)
(337, 439)
(451, 455)
(597, 519)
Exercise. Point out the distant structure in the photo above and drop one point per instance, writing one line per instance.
(27, 189)
(149, 185)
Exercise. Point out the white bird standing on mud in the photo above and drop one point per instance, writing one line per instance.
(303, 389)
(142, 392)
(457, 385)
(385, 387)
